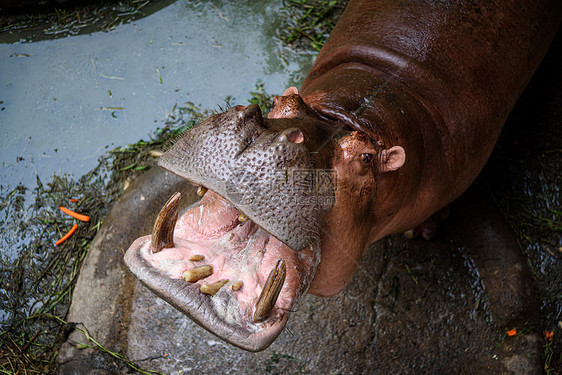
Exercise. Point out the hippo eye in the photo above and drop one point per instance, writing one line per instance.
(367, 158)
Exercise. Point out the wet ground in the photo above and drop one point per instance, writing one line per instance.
(413, 306)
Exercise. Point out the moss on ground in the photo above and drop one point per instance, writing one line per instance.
(309, 22)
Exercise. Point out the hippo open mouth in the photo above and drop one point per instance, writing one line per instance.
(237, 260)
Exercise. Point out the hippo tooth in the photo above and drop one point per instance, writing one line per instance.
(201, 190)
(212, 289)
(197, 273)
(163, 232)
(196, 258)
(270, 292)
(237, 286)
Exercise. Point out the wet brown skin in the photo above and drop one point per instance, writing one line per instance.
(404, 103)
(436, 78)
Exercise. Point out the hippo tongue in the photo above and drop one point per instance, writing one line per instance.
(225, 272)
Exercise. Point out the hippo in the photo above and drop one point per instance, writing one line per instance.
(397, 117)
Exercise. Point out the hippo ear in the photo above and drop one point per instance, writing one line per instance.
(392, 159)
(291, 91)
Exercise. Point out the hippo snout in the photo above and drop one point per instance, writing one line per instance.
(264, 170)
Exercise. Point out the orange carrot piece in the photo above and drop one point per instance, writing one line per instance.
(67, 236)
(512, 332)
(74, 214)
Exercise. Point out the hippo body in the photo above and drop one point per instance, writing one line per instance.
(395, 120)
(436, 78)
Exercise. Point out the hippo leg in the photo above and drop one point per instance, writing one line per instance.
(499, 259)
(506, 277)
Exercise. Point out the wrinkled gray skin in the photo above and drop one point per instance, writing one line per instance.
(269, 175)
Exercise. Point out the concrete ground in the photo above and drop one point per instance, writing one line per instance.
(414, 306)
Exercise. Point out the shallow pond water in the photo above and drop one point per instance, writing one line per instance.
(65, 101)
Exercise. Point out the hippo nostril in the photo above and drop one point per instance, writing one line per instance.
(251, 115)
(295, 136)
(292, 135)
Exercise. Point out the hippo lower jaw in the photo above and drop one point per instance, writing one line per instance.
(222, 270)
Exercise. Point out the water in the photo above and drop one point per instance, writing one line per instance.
(65, 101)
